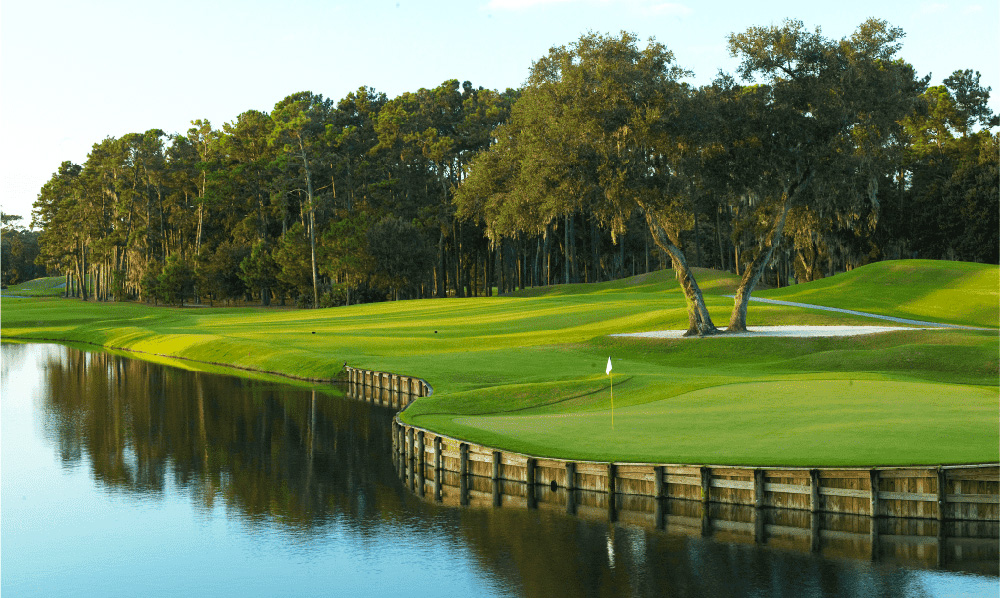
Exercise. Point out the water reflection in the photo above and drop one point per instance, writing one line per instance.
(298, 457)
(318, 474)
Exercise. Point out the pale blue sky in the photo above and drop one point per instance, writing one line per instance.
(74, 72)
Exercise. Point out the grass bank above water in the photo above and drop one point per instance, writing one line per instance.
(526, 373)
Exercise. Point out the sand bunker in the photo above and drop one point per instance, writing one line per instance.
(799, 331)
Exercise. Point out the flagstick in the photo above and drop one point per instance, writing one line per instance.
(612, 377)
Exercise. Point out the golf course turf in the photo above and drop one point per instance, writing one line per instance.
(526, 373)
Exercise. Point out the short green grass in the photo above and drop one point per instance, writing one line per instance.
(526, 372)
(49, 286)
(947, 292)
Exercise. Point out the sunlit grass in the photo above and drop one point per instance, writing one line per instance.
(50, 286)
(947, 292)
(526, 372)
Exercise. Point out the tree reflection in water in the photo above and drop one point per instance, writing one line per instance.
(300, 460)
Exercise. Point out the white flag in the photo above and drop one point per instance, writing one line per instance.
(608, 371)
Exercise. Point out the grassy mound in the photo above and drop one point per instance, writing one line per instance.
(526, 372)
(49, 286)
(947, 292)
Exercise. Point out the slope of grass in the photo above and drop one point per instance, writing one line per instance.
(526, 372)
(948, 292)
(49, 286)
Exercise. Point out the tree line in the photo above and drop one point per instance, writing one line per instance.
(825, 155)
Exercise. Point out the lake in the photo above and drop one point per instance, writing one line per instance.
(124, 478)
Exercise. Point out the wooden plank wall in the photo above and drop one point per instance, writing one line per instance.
(384, 388)
(950, 493)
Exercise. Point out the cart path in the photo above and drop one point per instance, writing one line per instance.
(865, 314)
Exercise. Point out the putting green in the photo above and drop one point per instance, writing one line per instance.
(792, 422)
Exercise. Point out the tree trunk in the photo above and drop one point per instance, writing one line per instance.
(753, 271)
(312, 221)
(699, 321)
(456, 231)
(697, 241)
(595, 258)
(82, 271)
(439, 283)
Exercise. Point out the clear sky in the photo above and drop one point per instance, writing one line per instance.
(73, 72)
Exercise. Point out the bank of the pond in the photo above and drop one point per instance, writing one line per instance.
(431, 461)
(527, 373)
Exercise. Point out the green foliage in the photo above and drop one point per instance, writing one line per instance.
(219, 273)
(292, 257)
(345, 250)
(399, 253)
(18, 251)
(176, 282)
(604, 164)
(258, 270)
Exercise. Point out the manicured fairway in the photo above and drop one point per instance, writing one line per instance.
(526, 373)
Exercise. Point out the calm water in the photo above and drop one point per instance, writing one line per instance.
(124, 478)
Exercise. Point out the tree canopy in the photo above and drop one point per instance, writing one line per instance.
(817, 155)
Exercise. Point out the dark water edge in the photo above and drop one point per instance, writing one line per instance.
(122, 477)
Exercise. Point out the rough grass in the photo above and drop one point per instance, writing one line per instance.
(526, 372)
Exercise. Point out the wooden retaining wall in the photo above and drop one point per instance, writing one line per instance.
(384, 388)
(948, 493)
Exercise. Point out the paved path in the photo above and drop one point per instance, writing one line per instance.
(865, 314)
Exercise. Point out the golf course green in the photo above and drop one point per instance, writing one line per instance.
(526, 372)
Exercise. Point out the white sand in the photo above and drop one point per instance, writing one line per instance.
(782, 331)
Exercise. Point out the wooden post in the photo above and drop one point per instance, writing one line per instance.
(463, 467)
(706, 484)
(571, 487)
(659, 517)
(942, 494)
(816, 539)
(412, 452)
(463, 490)
(421, 454)
(529, 478)
(658, 481)
(437, 453)
(759, 531)
(814, 490)
(497, 456)
(612, 491)
(437, 468)
(874, 539)
(873, 474)
(942, 544)
(758, 488)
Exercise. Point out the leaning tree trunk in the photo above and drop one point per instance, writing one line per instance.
(755, 269)
(312, 221)
(699, 321)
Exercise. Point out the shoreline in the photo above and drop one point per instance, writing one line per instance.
(429, 390)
